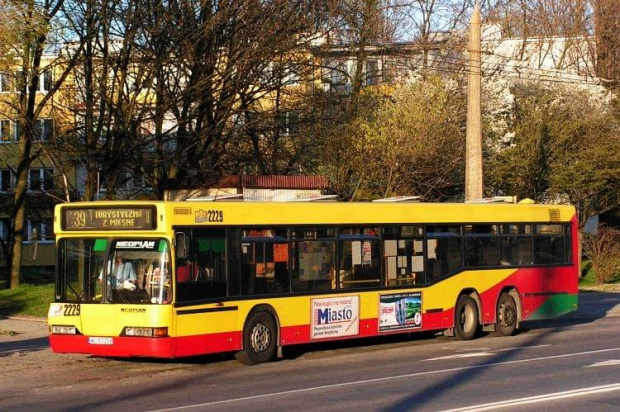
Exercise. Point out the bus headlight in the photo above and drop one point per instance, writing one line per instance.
(146, 332)
(63, 330)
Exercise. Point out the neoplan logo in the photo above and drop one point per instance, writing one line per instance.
(135, 244)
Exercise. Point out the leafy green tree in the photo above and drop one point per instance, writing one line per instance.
(411, 143)
(566, 147)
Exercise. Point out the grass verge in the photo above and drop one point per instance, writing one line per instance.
(26, 300)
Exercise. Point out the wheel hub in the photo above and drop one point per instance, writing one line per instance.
(507, 315)
(261, 337)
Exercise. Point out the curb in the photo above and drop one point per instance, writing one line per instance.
(27, 319)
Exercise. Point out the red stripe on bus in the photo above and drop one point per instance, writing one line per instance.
(204, 344)
(121, 347)
(291, 335)
(438, 320)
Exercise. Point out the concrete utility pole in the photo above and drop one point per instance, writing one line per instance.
(473, 150)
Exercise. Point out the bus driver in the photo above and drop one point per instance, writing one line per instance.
(121, 275)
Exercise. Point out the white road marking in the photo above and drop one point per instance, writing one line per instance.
(383, 379)
(611, 362)
(537, 399)
(488, 352)
(461, 355)
(517, 348)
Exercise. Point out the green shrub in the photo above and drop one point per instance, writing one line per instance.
(602, 249)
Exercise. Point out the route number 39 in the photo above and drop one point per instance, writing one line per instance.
(79, 219)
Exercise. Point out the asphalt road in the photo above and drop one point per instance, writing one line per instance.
(571, 363)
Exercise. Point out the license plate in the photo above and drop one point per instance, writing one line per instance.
(100, 341)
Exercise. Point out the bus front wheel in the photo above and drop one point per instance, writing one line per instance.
(259, 339)
(506, 316)
(466, 318)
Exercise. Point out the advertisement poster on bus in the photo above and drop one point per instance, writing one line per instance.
(335, 317)
(400, 311)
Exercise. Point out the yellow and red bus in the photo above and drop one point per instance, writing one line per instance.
(253, 277)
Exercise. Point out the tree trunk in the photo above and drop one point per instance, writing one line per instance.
(19, 213)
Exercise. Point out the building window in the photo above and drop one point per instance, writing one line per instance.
(4, 231)
(6, 83)
(41, 179)
(291, 76)
(288, 123)
(6, 180)
(12, 82)
(45, 81)
(40, 230)
(5, 131)
(130, 181)
(17, 130)
(372, 72)
(44, 129)
(338, 76)
(126, 181)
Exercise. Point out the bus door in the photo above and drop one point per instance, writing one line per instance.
(202, 290)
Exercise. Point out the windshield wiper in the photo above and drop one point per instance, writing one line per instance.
(77, 295)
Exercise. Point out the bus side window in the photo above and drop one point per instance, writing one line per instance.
(265, 256)
(313, 253)
(203, 274)
(445, 245)
(403, 255)
(183, 273)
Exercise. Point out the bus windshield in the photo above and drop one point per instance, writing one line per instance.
(93, 270)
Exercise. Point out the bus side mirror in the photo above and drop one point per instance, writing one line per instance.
(181, 244)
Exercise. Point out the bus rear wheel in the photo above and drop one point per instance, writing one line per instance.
(466, 318)
(259, 339)
(507, 317)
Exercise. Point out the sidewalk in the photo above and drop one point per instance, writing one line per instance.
(22, 328)
(19, 336)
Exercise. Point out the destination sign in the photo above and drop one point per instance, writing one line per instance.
(109, 218)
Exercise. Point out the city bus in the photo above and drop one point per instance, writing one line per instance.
(250, 278)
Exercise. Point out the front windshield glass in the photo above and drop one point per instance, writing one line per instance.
(114, 271)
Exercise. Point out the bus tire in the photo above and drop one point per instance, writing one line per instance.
(507, 317)
(259, 339)
(466, 318)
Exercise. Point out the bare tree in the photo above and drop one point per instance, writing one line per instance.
(113, 108)
(433, 23)
(217, 63)
(25, 51)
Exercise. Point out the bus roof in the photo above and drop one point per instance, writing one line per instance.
(208, 213)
